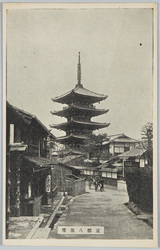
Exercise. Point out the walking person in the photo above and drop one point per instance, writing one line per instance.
(96, 185)
(90, 182)
(93, 181)
(102, 184)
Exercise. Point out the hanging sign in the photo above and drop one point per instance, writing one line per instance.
(48, 184)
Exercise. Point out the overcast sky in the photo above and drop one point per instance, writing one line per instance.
(116, 59)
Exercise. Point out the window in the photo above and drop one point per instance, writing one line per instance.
(29, 190)
(146, 161)
(119, 150)
(114, 175)
(11, 134)
(104, 174)
(90, 172)
(111, 149)
(109, 175)
(116, 150)
(142, 163)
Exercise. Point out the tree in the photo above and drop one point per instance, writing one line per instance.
(94, 145)
(147, 141)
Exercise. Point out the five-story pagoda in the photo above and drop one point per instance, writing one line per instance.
(79, 112)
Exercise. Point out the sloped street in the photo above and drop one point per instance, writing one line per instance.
(105, 209)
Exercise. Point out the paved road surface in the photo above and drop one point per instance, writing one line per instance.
(102, 209)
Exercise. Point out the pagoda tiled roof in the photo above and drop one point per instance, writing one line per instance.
(79, 91)
(67, 110)
(87, 124)
(71, 137)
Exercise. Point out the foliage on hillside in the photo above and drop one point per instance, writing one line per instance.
(93, 146)
(147, 141)
(139, 186)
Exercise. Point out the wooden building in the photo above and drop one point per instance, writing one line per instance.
(109, 175)
(65, 176)
(28, 169)
(136, 157)
(117, 144)
(78, 112)
(87, 172)
(62, 167)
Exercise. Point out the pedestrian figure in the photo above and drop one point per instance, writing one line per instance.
(90, 183)
(96, 185)
(101, 185)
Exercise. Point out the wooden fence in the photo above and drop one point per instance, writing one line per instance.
(75, 187)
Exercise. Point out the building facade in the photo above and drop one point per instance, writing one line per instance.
(136, 157)
(27, 165)
(117, 144)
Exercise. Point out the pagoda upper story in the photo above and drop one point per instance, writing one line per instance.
(79, 112)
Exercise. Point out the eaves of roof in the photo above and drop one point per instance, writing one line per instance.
(81, 91)
(30, 117)
(136, 152)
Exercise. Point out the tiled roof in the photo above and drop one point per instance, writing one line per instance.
(83, 91)
(65, 159)
(86, 168)
(79, 91)
(136, 152)
(80, 109)
(71, 152)
(111, 170)
(61, 138)
(118, 138)
(78, 167)
(104, 165)
(39, 161)
(90, 124)
(28, 118)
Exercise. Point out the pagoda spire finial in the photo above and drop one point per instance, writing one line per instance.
(79, 71)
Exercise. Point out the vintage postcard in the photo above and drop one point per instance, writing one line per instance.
(80, 122)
